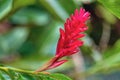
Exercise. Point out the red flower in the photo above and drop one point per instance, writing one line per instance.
(69, 42)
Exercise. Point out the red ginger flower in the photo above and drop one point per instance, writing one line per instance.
(68, 43)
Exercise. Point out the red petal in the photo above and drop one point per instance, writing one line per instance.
(78, 36)
(77, 43)
(76, 12)
(67, 28)
(82, 11)
(56, 64)
(75, 46)
(71, 51)
(61, 41)
(87, 14)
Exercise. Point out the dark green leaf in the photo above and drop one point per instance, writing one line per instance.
(30, 16)
(11, 41)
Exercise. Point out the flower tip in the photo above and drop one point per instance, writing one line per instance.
(87, 14)
(62, 32)
(82, 10)
(76, 12)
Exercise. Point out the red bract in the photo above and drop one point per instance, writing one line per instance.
(69, 42)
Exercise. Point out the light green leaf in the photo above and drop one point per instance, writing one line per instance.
(5, 7)
(9, 73)
(8, 7)
(22, 3)
(112, 5)
(60, 77)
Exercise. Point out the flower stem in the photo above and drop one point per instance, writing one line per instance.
(47, 65)
(17, 70)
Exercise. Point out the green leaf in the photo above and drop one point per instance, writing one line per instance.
(5, 7)
(31, 16)
(8, 7)
(104, 14)
(4, 75)
(8, 73)
(112, 5)
(54, 7)
(60, 77)
(22, 3)
(49, 40)
(68, 8)
(12, 40)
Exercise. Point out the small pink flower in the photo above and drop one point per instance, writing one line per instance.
(69, 42)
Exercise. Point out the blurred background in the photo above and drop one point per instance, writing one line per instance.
(29, 31)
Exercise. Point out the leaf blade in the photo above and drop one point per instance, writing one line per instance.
(112, 5)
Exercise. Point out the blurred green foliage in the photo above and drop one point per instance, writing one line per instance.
(29, 31)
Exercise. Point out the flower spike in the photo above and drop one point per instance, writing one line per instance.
(69, 42)
(73, 28)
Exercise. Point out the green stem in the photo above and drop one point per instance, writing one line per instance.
(17, 70)
(47, 65)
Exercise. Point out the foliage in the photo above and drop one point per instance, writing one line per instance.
(29, 33)
(7, 73)
(113, 6)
